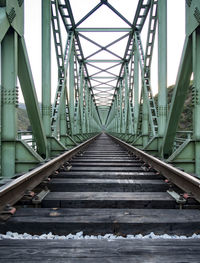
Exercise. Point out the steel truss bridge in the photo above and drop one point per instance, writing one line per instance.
(100, 87)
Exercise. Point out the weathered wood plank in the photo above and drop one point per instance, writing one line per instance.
(139, 251)
(111, 169)
(108, 200)
(105, 185)
(106, 164)
(108, 175)
(103, 159)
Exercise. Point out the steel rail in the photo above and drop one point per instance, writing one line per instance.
(12, 192)
(183, 180)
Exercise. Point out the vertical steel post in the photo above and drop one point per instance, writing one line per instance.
(81, 99)
(46, 66)
(9, 101)
(136, 90)
(91, 120)
(126, 99)
(71, 88)
(145, 122)
(120, 103)
(63, 123)
(115, 110)
(118, 112)
(196, 112)
(123, 107)
(162, 68)
(86, 107)
(0, 112)
(130, 120)
(89, 112)
(84, 113)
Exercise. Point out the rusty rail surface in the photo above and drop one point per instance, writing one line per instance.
(183, 180)
(12, 192)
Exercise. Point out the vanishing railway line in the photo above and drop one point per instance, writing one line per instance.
(103, 186)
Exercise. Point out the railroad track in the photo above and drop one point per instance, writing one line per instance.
(102, 186)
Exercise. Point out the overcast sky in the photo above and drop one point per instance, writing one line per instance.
(176, 34)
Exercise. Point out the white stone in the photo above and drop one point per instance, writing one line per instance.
(80, 235)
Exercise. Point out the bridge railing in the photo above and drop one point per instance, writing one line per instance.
(181, 137)
(27, 136)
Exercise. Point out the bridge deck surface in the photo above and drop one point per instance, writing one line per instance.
(101, 195)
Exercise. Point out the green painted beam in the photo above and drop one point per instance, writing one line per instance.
(104, 77)
(126, 98)
(81, 81)
(71, 88)
(63, 124)
(9, 56)
(103, 29)
(46, 66)
(162, 68)
(4, 23)
(136, 91)
(179, 96)
(103, 61)
(145, 121)
(30, 97)
(196, 97)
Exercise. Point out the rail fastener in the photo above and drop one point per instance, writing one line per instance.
(13, 191)
(185, 181)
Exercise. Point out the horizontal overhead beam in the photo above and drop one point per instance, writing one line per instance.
(101, 88)
(103, 61)
(103, 95)
(103, 77)
(104, 105)
(105, 98)
(103, 29)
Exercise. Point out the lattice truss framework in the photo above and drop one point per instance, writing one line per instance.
(104, 81)
(105, 66)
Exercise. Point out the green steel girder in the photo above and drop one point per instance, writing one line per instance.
(196, 97)
(62, 83)
(46, 68)
(103, 100)
(9, 54)
(151, 35)
(69, 23)
(126, 98)
(72, 88)
(105, 48)
(81, 103)
(146, 86)
(141, 14)
(136, 92)
(185, 157)
(162, 70)
(179, 95)
(15, 15)
(17, 156)
(25, 158)
(106, 70)
(4, 23)
(138, 23)
(30, 97)
(105, 29)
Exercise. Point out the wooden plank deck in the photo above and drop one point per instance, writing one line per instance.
(106, 185)
(109, 200)
(98, 251)
(104, 193)
(101, 221)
